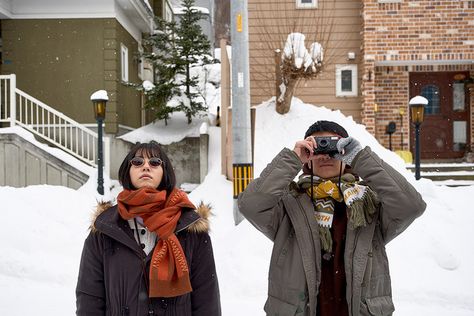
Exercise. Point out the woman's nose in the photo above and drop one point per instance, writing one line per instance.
(146, 165)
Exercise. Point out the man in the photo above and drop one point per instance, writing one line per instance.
(329, 229)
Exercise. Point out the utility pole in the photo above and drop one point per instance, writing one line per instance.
(242, 164)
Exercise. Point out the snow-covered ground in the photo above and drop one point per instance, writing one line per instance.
(44, 228)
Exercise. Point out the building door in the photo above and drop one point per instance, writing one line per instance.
(444, 132)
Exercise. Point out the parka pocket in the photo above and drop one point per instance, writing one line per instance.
(285, 249)
(277, 307)
(378, 306)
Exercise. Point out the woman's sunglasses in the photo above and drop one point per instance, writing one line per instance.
(152, 162)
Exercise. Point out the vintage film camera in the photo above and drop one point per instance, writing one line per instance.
(326, 145)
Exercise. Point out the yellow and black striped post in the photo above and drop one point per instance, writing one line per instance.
(242, 175)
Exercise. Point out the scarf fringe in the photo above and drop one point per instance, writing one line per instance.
(361, 211)
(326, 239)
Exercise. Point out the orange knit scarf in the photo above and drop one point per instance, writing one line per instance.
(169, 273)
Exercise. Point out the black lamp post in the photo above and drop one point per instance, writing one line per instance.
(99, 100)
(417, 109)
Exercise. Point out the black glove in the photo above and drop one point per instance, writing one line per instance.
(348, 148)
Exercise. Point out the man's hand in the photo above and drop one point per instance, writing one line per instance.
(348, 148)
(305, 148)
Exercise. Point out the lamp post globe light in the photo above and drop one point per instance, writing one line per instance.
(99, 100)
(417, 109)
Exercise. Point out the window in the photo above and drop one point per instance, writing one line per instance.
(306, 4)
(346, 80)
(459, 99)
(431, 92)
(459, 135)
(124, 62)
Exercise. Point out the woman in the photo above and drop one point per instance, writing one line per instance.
(151, 253)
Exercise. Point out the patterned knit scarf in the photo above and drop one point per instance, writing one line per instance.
(169, 273)
(360, 200)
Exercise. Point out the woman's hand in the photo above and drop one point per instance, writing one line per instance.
(305, 149)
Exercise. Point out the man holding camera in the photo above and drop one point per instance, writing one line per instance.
(329, 229)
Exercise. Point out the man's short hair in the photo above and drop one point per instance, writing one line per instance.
(326, 126)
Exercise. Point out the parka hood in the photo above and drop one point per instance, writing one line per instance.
(200, 226)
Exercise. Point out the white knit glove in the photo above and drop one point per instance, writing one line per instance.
(348, 148)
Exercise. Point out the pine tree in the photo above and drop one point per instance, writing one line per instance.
(174, 50)
(163, 55)
(193, 49)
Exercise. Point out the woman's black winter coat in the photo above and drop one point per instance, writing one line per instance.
(114, 270)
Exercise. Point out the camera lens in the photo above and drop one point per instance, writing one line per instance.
(323, 143)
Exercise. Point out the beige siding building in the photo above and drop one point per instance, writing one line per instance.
(378, 54)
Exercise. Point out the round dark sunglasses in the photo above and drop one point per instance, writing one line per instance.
(153, 162)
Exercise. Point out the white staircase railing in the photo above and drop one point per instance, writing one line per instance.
(19, 108)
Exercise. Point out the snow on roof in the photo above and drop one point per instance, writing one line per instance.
(176, 130)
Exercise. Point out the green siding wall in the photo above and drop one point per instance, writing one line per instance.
(129, 110)
(62, 62)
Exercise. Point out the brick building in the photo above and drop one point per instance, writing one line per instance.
(380, 54)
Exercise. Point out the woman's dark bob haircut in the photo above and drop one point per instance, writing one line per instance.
(151, 149)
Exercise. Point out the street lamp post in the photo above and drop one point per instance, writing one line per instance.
(417, 109)
(99, 100)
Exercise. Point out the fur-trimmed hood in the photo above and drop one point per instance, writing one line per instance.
(202, 225)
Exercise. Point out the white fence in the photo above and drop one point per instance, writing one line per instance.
(19, 108)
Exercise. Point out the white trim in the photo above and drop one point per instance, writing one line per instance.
(5, 9)
(134, 15)
(124, 62)
(312, 5)
(127, 24)
(354, 91)
(64, 15)
(168, 12)
(424, 62)
(389, 1)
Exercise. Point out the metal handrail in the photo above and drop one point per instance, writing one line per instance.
(19, 108)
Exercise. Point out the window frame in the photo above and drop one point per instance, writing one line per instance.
(124, 62)
(312, 5)
(354, 82)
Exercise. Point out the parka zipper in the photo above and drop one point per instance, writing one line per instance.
(313, 247)
(150, 304)
(356, 237)
(183, 228)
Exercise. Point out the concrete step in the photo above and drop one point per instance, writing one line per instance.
(442, 167)
(463, 173)
(454, 183)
